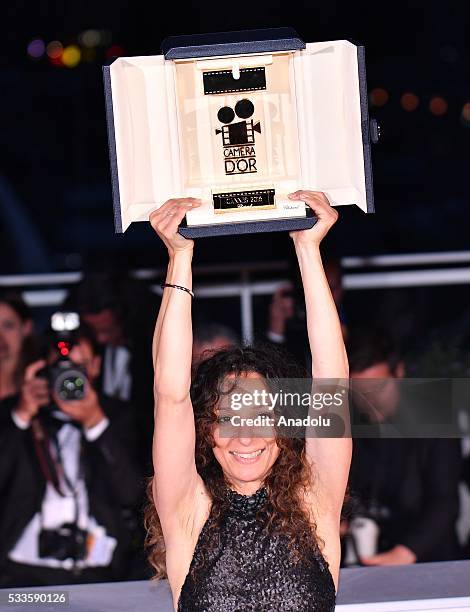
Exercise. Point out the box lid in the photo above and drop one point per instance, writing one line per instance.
(232, 43)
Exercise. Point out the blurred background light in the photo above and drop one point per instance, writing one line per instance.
(71, 56)
(378, 96)
(438, 106)
(466, 114)
(36, 48)
(90, 38)
(54, 49)
(114, 51)
(409, 101)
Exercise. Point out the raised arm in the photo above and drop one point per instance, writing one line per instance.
(175, 476)
(331, 456)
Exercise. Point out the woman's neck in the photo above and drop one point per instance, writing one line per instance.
(245, 488)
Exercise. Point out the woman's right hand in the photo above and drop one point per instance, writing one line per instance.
(166, 219)
(325, 213)
(34, 392)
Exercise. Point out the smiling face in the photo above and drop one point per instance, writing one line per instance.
(246, 453)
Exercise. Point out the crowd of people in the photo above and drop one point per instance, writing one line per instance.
(73, 473)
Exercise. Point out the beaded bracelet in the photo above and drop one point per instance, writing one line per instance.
(178, 287)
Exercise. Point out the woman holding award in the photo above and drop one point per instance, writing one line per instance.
(242, 522)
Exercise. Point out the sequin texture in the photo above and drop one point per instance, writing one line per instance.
(249, 570)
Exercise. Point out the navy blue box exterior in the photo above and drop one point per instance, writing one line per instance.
(226, 229)
(365, 124)
(249, 227)
(108, 97)
(232, 43)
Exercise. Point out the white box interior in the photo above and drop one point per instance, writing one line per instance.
(311, 131)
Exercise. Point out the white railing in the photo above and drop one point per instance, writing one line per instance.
(244, 288)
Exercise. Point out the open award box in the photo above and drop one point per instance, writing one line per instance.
(239, 120)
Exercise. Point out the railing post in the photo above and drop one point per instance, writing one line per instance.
(246, 308)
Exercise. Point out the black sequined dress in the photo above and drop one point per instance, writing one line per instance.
(247, 569)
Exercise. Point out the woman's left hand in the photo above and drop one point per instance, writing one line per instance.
(324, 212)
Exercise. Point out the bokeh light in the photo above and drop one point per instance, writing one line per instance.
(36, 48)
(71, 56)
(114, 51)
(54, 50)
(465, 117)
(90, 38)
(438, 106)
(378, 96)
(409, 101)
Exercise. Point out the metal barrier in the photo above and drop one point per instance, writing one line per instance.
(35, 293)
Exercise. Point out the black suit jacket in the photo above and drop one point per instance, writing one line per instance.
(142, 399)
(113, 482)
(417, 480)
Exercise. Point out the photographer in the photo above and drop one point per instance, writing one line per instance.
(406, 489)
(66, 475)
(120, 311)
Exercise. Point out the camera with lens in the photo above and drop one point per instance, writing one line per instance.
(66, 542)
(67, 379)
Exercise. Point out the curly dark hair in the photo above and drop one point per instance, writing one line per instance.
(289, 478)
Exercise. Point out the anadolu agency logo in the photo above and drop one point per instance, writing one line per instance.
(238, 139)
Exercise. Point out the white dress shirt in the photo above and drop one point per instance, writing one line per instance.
(117, 380)
(57, 510)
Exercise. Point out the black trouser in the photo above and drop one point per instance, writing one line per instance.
(14, 575)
